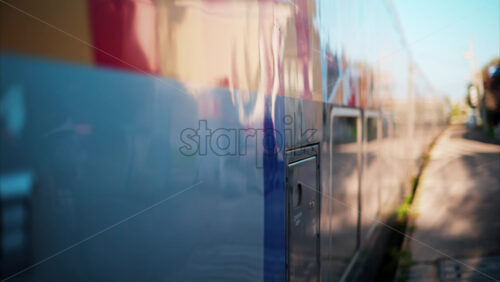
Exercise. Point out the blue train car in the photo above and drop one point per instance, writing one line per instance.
(209, 140)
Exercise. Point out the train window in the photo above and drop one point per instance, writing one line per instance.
(344, 130)
(387, 124)
(385, 128)
(371, 129)
(370, 197)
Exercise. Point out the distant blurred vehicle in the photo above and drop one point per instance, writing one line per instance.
(491, 97)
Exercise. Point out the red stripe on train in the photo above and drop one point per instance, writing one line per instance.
(125, 34)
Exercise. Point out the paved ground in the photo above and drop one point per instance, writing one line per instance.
(457, 205)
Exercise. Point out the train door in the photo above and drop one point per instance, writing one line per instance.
(370, 184)
(343, 194)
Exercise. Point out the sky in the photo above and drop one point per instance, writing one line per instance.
(438, 32)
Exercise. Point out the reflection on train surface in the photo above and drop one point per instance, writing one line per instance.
(204, 140)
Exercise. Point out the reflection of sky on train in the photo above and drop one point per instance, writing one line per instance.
(438, 34)
(358, 54)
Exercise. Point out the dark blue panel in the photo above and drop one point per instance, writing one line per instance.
(274, 189)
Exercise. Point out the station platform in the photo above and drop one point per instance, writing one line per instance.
(454, 233)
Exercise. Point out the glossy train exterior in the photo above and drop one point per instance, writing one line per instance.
(203, 140)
